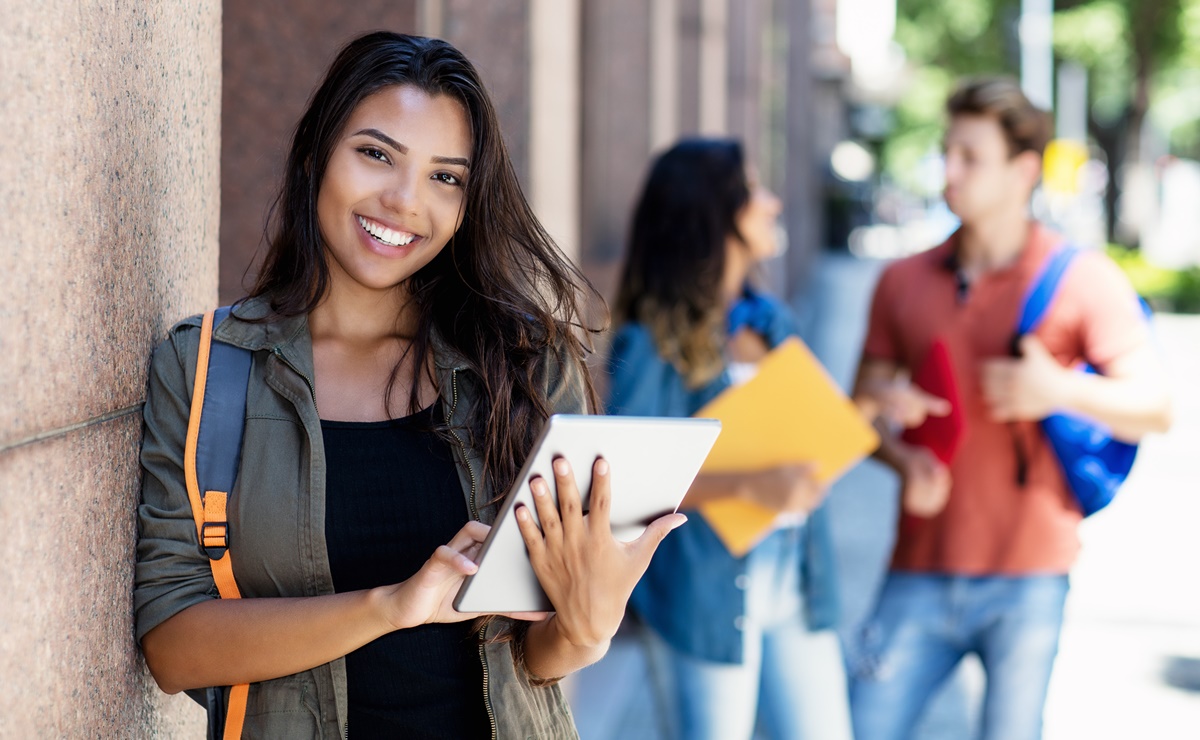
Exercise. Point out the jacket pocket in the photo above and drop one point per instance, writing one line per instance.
(283, 707)
(524, 711)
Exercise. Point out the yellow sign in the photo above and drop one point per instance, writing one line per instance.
(1061, 163)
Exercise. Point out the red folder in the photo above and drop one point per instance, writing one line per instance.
(940, 434)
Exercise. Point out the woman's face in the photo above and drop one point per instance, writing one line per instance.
(393, 192)
(757, 220)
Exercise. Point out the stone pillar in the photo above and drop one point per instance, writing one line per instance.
(555, 116)
(691, 33)
(495, 36)
(747, 23)
(616, 128)
(801, 196)
(664, 73)
(714, 67)
(108, 220)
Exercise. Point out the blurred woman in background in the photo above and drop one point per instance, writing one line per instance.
(748, 641)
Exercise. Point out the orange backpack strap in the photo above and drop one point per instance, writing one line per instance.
(212, 454)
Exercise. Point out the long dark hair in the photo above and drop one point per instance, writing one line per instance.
(501, 294)
(676, 260)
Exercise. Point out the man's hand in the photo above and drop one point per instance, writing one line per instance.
(925, 483)
(1026, 389)
(899, 402)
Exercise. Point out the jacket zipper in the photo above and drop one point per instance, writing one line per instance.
(312, 389)
(487, 702)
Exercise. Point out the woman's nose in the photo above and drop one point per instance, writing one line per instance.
(401, 194)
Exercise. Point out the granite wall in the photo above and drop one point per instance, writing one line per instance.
(109, 210)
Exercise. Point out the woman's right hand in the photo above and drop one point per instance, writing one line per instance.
(428, 595)
(790, 488)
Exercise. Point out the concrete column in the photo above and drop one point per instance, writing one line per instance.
(746, 71)
(664, 73)
(616, 129)
(691, 30)
(555, 113)
(801, 195)
(495, 35)
(431, 18)
(109, 192)
(714, 67)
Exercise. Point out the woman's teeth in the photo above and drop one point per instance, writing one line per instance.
(386, 235)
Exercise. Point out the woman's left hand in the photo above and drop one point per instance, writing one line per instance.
(586, 572)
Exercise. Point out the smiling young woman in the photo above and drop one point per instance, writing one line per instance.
(411, 328)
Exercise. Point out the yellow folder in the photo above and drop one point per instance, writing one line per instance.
(791, 411)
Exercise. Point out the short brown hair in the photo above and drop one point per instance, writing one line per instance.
(1026, 127)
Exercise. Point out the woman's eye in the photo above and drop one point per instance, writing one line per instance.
(374, 153)
(447, 178)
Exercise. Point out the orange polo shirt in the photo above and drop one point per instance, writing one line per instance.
(992, 525)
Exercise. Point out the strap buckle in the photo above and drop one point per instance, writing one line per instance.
(214, 538)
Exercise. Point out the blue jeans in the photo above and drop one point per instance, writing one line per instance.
(925, 624)
(792, 682)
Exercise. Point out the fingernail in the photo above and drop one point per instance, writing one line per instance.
(561, 467)
(538, 486)
(521, 513)
(601, 467)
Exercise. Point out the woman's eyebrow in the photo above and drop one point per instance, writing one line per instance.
(463, 161)
(384, 138)
(377, 134)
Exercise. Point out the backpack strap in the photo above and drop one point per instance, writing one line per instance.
(211, 457)
(1041, 292)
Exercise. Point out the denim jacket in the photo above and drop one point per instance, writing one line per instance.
(277, 519)
(692, 593)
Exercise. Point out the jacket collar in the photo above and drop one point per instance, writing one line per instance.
(257, 331)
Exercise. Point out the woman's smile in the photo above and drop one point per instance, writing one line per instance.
(386, 240)
(393, 192)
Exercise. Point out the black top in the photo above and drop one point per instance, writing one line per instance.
(392, 496)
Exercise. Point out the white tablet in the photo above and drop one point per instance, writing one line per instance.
(652, 462)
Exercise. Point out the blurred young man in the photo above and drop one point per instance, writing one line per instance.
(984, 544)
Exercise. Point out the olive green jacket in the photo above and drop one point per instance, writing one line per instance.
(277, 519)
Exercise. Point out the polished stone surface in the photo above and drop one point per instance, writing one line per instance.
(68, 661)
(109, 198)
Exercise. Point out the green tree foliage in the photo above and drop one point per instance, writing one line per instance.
(943, 40)
(1137, 52)
(1129, 46)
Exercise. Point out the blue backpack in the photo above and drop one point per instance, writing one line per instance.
(1094, 463)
